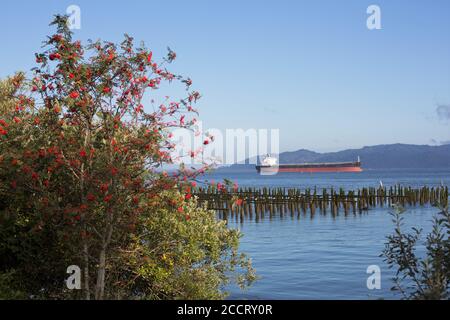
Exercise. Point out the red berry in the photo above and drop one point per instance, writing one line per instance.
(114, 171)
(74, 95)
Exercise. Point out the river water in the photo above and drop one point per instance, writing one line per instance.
(325, 257)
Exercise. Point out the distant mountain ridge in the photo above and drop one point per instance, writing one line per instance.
(374, 157)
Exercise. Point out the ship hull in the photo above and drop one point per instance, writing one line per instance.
(308, 170)
(311, 168)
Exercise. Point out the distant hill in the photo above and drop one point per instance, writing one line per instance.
(374, 157)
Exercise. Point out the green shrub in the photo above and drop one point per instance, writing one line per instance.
(417, 277)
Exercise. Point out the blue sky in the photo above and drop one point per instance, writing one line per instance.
(310, 68)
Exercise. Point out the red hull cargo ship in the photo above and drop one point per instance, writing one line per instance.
(269, 165)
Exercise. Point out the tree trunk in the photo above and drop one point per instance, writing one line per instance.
(87, 139)
(86, 271)
(100, 286)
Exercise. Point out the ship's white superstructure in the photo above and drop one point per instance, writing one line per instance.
(269, 161)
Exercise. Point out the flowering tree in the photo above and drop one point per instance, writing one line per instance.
(78, 166)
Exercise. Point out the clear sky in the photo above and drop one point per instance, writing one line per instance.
(310, 68)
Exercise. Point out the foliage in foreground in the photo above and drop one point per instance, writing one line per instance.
(423, 278)
(80, 185)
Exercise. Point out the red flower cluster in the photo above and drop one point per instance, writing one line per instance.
(83, 153)
(54, 56)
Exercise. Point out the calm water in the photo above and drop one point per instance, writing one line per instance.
(325, 257)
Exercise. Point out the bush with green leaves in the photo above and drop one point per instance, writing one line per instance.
(423, 277)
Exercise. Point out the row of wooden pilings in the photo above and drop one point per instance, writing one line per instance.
(258, 202)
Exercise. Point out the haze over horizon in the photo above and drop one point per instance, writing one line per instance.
(310, 68)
